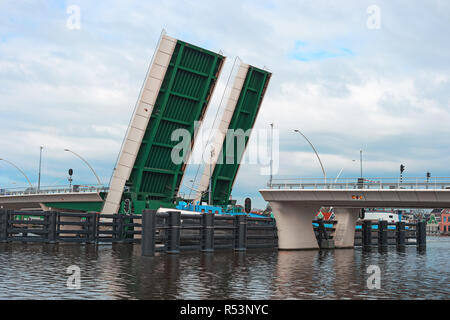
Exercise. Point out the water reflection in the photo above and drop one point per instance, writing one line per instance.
(119, 272)
(296, 274)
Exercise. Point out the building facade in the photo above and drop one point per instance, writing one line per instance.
(444, 224)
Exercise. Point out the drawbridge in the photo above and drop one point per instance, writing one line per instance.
(176, 94)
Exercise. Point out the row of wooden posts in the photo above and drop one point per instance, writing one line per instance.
(164, 232)
(401, 236)
(172, 232)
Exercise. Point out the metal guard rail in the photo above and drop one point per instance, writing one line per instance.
(377, 183)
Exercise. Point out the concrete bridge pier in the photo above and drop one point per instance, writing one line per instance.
(294, 224)
(344, 235)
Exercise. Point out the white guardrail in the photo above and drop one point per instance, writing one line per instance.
(53, 190)
(361, 183)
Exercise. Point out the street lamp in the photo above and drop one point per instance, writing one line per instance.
(40, 164)
(323, 170)
(210, 178)
(99, 182)
(19, 170)
(360, 161)
(271, 154)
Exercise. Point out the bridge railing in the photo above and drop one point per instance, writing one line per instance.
(377, 183)
(88, 188)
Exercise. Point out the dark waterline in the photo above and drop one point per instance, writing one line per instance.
(36, 271)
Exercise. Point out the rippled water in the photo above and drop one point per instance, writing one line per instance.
(38, 271)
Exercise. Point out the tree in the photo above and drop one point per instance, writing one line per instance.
(418, 214)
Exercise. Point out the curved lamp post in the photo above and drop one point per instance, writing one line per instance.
(271, 154)
(210, 178)
(323, 170)
(99, 182)
(40, 166)
(360, 161)
(19, 170)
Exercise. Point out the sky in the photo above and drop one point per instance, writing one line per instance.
(350, 75)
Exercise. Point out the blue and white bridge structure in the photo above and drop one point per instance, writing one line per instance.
(295, 203)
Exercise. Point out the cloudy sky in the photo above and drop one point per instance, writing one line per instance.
(351, 75)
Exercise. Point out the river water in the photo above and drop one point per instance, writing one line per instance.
(39, 271)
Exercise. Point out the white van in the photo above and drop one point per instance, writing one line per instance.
(381, 215)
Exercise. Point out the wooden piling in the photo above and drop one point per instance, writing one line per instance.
(173, 241)
(367, 234)
(3, 225)
(421, 235)
(207, 221)
(382, 235)
(400, 235)
(148, 232)
(92, 227)
(51, 227)
(240, 243)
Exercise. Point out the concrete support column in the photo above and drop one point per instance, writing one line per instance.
(294, 224)
(344, 236)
